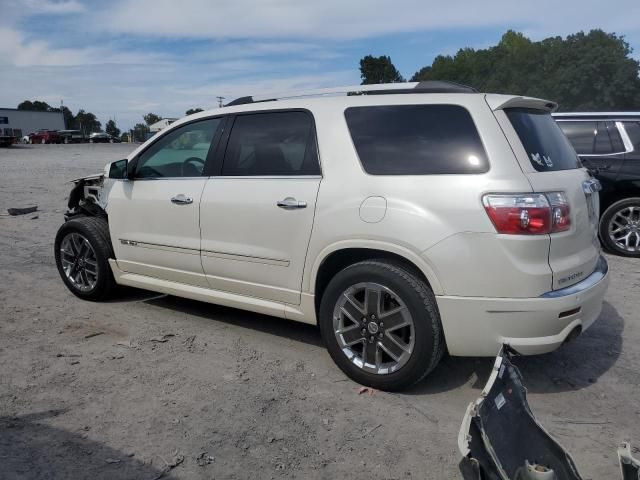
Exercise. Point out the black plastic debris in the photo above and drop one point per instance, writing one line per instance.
(21, 211)
(500, 438)
(630, 466)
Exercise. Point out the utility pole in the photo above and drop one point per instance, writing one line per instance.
(220, 99)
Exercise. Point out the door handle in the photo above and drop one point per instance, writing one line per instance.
(290, 203)
(181, 199)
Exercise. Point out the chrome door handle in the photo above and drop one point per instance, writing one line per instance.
(181, 199)
(290, 203)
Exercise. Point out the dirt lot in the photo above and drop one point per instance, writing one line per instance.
(127, 389)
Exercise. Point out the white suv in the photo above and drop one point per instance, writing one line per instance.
(404, 219)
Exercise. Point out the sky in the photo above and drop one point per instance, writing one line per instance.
(121, 59)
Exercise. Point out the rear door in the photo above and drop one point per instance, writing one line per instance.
(257, 211)
(551, 165)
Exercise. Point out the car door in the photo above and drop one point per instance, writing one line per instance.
(599, 146)
(154, 218)
(256, 212)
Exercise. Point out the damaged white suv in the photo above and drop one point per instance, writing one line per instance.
(404, 219)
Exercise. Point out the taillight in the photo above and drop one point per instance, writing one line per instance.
(528, 213)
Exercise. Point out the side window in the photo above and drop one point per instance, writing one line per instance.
(581, 135)
(274, 143)
(616, 140)
(416, 140)
(633, 131)
(180, 153)
(603, 141)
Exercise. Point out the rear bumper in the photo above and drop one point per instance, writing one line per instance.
(476, 326)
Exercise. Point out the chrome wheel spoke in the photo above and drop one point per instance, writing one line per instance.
(369, 353)
(394, 319)
(372, 301)
(351, 309)
(351, 335)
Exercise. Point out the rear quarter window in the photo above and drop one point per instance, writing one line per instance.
(547, 147)
(416, 140)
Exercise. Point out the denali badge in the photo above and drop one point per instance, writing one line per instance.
(571, 277)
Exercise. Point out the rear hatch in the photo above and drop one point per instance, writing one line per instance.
(552, 166)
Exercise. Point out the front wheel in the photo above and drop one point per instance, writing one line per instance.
(82, 251)
(381, 325)
(620, 227)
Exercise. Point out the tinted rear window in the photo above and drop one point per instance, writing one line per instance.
(416, 140)
(547, 147)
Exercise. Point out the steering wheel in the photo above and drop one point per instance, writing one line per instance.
(195, 163)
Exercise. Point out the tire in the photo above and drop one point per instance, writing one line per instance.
(402, 292)
(96, 281)
(623, 217)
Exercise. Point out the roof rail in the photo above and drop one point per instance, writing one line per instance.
(430, 86)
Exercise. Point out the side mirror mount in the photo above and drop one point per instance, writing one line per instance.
(118, 169)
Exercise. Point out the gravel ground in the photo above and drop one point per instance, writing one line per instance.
(150, 385)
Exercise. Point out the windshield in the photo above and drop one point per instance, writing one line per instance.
(547, 147)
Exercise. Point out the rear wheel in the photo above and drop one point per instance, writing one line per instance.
(620, 227)
(82, 252)
(381, 325)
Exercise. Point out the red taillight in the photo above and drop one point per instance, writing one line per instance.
(528, 213)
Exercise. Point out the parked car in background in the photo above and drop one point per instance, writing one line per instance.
(44, 136)
(102, 137)
(7, 137)
(608, 144)
(405, 219)
(71, 136)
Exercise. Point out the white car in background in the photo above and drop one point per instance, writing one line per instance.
(404, 219)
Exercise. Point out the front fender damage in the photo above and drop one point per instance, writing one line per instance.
(501, 439)
(88, 196)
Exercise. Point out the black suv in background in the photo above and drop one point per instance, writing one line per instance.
(609, 146)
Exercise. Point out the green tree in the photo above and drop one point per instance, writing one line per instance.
(36, 106)
(584, 71)
(140, 131)
(87, 122)
(191, 111)
(379, 70)
(151, 118)
(112, 129)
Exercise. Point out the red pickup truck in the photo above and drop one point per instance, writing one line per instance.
(44, 136)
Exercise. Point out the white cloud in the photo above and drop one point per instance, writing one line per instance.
(53, 7)
(339, 19)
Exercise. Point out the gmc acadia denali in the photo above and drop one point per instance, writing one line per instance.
(403, 219)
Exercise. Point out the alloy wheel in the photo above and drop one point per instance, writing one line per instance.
(624, 229)
(374, 328)
(79, 261)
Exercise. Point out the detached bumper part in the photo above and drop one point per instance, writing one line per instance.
(630, 466)
(500, 438)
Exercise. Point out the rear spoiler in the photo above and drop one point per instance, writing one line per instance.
(500, 102)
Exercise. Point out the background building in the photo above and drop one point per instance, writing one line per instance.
(165, 122)
(28, 121)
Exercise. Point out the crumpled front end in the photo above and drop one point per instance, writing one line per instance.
(87, 197)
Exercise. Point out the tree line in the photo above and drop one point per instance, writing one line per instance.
(584, 71)
(88, 123)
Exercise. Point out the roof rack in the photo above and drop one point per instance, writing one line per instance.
(430, 86)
